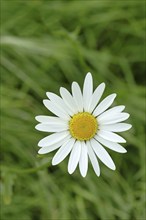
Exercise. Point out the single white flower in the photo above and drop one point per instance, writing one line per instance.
(82, 126)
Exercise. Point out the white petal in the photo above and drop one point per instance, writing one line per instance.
(111, 112)
(120, 127)
(51, 127)
(102, 154)
(119, 117)
(77, 96)
(83, 162)
(53, 108)
(50, 119)
(74, 157)
(47, 149)
(87, 91)
(58, 101)
(111, 145)
(111, 136)
(105, 104)
(93, 159)
(63, 151)
(53, 139)
(68, 99)
(96, 97)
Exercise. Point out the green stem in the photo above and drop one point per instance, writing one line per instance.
(26, 171)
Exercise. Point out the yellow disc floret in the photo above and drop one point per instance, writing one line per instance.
(83, 126)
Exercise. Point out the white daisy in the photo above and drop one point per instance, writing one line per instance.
(82, 127)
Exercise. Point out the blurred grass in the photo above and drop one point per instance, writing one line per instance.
(48, 44)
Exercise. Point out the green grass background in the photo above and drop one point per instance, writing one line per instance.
(49, 44)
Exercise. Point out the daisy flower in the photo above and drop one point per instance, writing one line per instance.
(82, 127)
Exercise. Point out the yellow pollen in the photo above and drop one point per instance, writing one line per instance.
(83, 126)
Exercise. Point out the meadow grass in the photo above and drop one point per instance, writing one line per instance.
(49, 44)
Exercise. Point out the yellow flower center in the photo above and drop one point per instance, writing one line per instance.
(83, 126)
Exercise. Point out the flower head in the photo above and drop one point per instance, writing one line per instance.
(82, 127)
